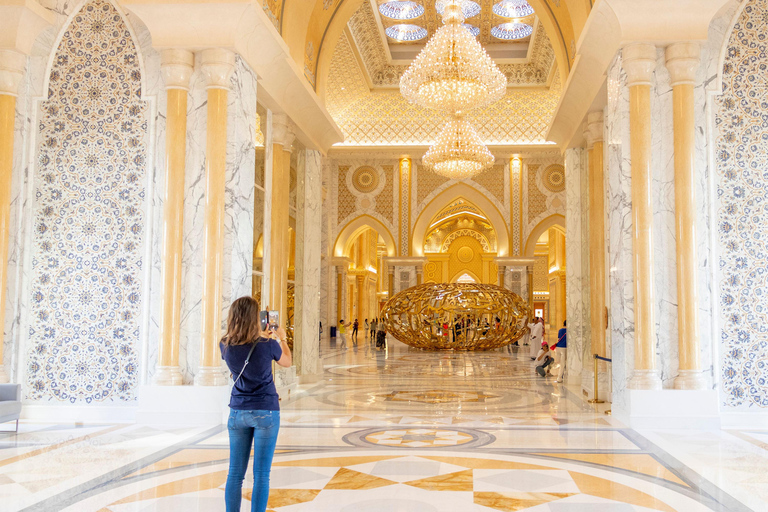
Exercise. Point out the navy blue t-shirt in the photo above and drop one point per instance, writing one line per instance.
(563, 337)
(255, 391)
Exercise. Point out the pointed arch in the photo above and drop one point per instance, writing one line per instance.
(449, 195)
(350, 232)
(555, 220)
(85, 332)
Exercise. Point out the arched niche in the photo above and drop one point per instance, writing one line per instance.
(350, 232)
(474, 196)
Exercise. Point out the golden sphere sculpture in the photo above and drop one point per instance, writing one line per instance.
(458, 316)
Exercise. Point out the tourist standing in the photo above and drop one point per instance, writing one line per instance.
(355, 326)
(343, 332)
(537, 334)
(561, 352)
(367, 327)
(254, 416)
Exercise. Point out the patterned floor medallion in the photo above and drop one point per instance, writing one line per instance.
(436, 396)
(419, 438)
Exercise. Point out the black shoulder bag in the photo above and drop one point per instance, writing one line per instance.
(247, 359)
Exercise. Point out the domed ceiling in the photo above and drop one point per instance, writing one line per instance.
(363, 97)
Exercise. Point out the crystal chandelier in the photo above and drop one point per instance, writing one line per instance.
(458, 153)
(453, 73)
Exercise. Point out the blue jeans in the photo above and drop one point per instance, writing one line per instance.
(245, 428)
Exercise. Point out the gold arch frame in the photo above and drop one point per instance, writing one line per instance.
(474, 196)
(354, 227)
(551, 221)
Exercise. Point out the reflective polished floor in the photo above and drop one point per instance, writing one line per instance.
(400, 430)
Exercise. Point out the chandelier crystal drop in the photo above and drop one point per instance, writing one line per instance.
(458, 153)
(453, 73)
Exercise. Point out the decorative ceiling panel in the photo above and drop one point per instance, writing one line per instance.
(384, 117)
(383, 73)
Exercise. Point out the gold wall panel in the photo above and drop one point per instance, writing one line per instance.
(430, 316)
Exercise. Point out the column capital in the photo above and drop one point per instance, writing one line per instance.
(594, 128)
(282, 131)
(639, 61)
(176, 67)
(682, 60)
(218, 66)
(12, 65)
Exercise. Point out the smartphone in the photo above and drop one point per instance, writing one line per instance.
(274, 319)
(269, 319)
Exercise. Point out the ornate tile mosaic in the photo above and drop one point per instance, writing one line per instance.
(742, 206)
(89, 218)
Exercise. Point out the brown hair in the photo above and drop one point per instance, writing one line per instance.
(243, 322)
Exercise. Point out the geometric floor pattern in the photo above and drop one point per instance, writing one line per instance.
(400, 430)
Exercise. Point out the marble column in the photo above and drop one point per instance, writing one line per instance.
(390, 281)
(282, 139)
(682, 60)
(176, 68)
(639, 61)
(308, 261)
(217, 67)
(596, 232)
(577, 302)
(12, 65)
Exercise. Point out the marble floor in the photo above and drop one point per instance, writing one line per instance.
(400, 430)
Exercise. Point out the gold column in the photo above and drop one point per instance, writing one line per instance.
(279, 240)
(682, 61)
(639, 63)
(362, 298)
(500, 279)
(405, 205)
(596, 232)
(516, 167)
(530, 286)
(419, 274)
(217, 67)
(339, 291)
(176, 67)
(12, 66)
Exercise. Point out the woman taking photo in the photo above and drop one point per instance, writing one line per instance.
(254, 416)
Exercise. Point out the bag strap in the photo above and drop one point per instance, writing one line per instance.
(247, 359)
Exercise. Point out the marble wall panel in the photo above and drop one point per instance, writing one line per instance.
(664, 236)
(619, 207)
(308, 259)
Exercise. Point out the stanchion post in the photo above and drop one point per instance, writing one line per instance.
(596, 400)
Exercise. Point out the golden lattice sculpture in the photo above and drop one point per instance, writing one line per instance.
(458, 316)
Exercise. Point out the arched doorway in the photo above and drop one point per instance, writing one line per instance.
(549, 277)
(460, 243)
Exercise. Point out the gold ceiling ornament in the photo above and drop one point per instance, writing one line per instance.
(458, 153)
(453, 73)
(457, 316)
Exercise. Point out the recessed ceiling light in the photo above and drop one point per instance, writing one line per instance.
(468, 8)
(401, 10)
(406, 32)
(511, 31)
(512, 9)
